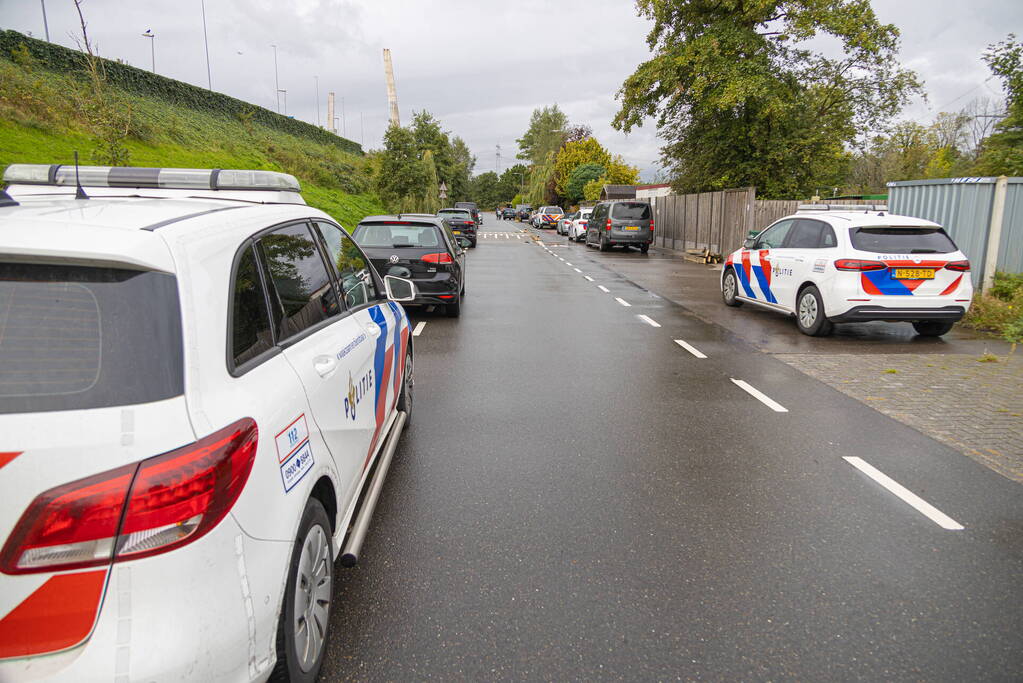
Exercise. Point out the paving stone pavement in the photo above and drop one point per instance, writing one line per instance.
(975, 407)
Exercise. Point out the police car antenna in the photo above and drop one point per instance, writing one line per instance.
(79, 192)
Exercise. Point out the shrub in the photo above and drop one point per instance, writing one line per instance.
(1000, 308)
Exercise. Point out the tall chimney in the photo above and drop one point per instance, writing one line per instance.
(392, 94)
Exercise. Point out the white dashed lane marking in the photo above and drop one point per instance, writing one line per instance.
(760, 396)
(648, 320)
(916, 502)
(604, 289)
(419, 328)
(622, 301)
(588, 278)
(577, 270)
(690, 348)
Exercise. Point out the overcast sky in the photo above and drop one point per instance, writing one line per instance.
(480, 66)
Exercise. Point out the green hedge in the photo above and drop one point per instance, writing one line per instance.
(59, 58)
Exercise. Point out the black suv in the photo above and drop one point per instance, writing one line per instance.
(472, 209)
(620, 223)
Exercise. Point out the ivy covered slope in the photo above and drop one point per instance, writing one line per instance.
(46, 115)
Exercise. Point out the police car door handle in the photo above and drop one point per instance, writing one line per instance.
(372, 329)
(324, 365)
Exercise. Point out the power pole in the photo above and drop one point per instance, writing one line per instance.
(277, 84)
(206, 42)
(316, 84)
(498, 158)
(392, 93)
(46, 26)
(330, 113)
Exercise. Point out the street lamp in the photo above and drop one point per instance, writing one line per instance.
(46, 26)
(152, 45)
(285, 100)
(277, 85)
(206, 42)
(316, 82)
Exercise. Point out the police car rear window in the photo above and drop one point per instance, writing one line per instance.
(75, 337)
(412, 235)
(892, 240)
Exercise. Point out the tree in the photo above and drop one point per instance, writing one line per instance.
(546, 133)
(402, 174)
(578, 179)
(451, 156)
(1002, 152)
(741, 102)
(573, 154)
(484, 189)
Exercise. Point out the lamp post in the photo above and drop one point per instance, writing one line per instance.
(206, 42)
(285, 100)
(316, 82)
(46, 26)
(152, 45)
(277, 85)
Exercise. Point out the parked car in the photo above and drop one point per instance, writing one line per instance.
(525, 211)
(473, 210)
(203, 413)
(423, 250)
(833, 266)
(508, 214)
(577, 228)
(562, 226)
(620, 224)
(548, 217)
(461, 223)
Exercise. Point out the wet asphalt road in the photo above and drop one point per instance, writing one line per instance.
(580, 497)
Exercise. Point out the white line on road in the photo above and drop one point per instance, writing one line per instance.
(560, 259)
(577, 270)
(922, 506)
(648, 320)
(763, 398)
(419, 328)
(690, 348)
(622, 301)
(567, 263)
(604, 289)
(588, 278)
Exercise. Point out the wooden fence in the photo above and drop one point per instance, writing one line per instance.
(718, 221)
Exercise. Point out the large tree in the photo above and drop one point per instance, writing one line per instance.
(548, 129)
(1002, 153)
(740, 99)
(402, 174)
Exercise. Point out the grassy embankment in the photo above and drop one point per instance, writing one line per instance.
(42, 120)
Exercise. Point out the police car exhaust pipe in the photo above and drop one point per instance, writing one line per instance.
(350, 554)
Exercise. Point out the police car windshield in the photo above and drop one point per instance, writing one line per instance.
(77, 337)
(415, 235)
(891, 240)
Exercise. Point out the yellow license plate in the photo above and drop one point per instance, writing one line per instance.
(914, 273)
(457, 232)
(631, 227)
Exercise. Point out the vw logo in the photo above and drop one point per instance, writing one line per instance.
(394, 258)
(916, 259)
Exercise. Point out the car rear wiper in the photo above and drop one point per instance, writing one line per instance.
(923, 251)
(402, 245)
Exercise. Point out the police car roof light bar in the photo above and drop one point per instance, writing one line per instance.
(157, 178)
(855, 208)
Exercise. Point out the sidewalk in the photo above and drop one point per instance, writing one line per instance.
(936, 386)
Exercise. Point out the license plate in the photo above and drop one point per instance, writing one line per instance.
(631, 227)
(457, 232)
(914, 273)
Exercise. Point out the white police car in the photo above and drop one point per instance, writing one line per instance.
(832, 264)
(199, 377)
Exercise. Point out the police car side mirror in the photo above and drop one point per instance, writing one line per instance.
(399, 289)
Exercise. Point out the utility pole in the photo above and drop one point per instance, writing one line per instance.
(342, 117)
(392, 93)
(285, 101)
(205, 40)
(330, 113)
(46, 26)
(316, 81)
(277, 85)
(498, 158)
(152, 45)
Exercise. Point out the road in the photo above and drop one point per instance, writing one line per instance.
(579, 496)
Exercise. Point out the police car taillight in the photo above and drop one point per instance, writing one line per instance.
(134, 511)
(960, 266)
(859, 265)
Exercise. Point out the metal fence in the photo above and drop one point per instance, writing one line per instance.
(984, 218)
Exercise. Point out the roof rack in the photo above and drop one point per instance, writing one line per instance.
(843, 207)
(160, 178)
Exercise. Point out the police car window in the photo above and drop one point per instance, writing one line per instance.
(892, 240)
(828, 238)
(250, 321)
(300, 284)
(805, 234)
(775, 236)
(77, 337)
(352, 268)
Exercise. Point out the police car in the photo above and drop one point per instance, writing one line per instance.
(202, 384)
(832, 264)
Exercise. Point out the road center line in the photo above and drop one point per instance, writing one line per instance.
(419, 328)
(588, 277)
(577, 270)
(604, 289)
(648, 320)
(922, 506)
(622, 301)
(560, 259)
(690, 348)
(763, 398)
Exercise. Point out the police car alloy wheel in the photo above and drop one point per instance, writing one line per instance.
(305, 616)
(407, 385)
(729, 288)
(810, 314)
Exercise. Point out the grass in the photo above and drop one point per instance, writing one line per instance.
(41, 122)
(988, 358)
(1000, 308)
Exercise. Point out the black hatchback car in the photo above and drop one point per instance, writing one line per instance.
(472, 209)
(421, 249)
(461, 223)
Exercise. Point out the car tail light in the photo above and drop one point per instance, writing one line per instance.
(442, 257)
(651, 226)
(960, 266)
(165, 502)
(859, 265)
(608, 226)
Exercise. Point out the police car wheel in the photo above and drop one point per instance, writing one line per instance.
(810, 314)
(407, 384)
(932, 328)
(730, 289)
(305, 617)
